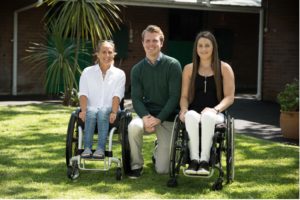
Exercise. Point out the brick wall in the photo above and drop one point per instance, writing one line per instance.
(281, 46)
(29, 29)
(30, 77)
(6, 24)
(281, 43)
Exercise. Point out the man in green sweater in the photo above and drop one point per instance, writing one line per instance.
(155, 93)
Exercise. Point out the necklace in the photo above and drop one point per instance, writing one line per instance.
(205, 82)
(205, 70)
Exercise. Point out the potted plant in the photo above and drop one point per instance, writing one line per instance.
(289, 112)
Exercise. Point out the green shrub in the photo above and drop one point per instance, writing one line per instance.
(289, 97)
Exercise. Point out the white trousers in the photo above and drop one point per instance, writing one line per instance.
(161, 153)
(208, 120)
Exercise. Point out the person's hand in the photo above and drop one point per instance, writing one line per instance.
(150, 123)
(112, 117)
(207, 109)
(182, 115)
(82, 115)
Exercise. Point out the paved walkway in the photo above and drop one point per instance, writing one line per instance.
(258, 118)
(254, 118)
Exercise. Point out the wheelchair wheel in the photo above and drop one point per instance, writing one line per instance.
(218, 185)
(119, 174)
(176, 152)
(72, 139)
(124, 121)
(230, 150)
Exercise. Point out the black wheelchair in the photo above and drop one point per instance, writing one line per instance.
(74, 146)
(223, 141)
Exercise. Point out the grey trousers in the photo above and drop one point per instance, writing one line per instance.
(161, 153)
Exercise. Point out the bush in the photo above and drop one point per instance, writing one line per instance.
(289, 97)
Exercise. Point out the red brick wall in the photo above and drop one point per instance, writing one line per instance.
(281, 46)
(281, 43)
(6, 24)
(30, 30)
(30, 77)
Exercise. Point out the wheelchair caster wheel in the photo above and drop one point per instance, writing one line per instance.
(172, 182)
(119, 174)
(217, 186)
(73, 171)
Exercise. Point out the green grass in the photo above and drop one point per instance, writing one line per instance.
(32, 165)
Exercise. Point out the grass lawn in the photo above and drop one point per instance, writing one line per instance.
(32, 165)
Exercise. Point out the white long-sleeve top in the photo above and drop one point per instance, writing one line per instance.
(100, 91)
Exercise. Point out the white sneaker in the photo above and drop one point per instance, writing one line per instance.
(193, 167)
(203, 168)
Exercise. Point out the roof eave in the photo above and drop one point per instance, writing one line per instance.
(190, 6)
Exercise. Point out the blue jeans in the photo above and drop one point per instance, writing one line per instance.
(101, 116)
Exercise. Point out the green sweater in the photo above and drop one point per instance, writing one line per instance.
(155, 89)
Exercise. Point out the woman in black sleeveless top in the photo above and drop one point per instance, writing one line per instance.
(207, 90)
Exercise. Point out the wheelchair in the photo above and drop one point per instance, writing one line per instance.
(74, 146)
(223, 141)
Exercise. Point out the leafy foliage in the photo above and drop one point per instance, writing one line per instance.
(85, 19)
(289, 97)
(74, 23)
(59, 55)
(74, 99)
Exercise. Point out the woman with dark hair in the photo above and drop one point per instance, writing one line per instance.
(207, 90)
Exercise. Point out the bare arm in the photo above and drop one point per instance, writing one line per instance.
(184, 99)
(83, 106)
(114, 110)
(228, 87)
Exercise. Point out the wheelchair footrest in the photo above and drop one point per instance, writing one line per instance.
(200, 175)
(92, 158)
(107, 154)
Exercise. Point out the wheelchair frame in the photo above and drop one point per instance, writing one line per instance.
(223, 140)
(74, 146)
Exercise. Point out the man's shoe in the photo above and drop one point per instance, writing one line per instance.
(203, 168)
(193, 167)
(99, 154)
(135, 173)
(87, 153)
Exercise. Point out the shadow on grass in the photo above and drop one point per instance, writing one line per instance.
(34, 159)
(48, 166)
(11, 112)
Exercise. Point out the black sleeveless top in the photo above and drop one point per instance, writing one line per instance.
(204, 99)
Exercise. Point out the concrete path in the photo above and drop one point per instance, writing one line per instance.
(258, 118)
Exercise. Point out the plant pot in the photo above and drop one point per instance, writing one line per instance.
(289, 123)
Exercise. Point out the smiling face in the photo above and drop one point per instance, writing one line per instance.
(106, 54)
(152, 44)
(204, 48)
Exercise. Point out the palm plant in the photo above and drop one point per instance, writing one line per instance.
(58, 54)
(81, 20)
(84, 19)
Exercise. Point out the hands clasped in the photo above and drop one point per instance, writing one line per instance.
(150, 123)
